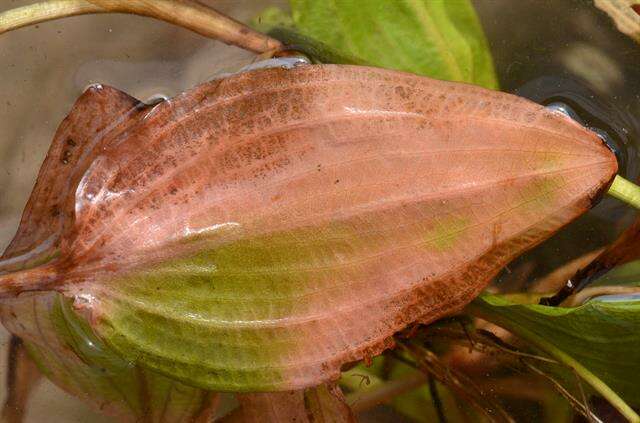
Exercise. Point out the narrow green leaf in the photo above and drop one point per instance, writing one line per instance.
(599, 340)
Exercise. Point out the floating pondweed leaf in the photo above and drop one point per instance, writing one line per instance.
(256, 233)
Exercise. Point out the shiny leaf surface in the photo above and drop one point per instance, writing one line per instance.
(257, 232)
(63, 345)
(440, 39)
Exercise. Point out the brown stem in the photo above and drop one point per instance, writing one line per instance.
(22, 377)
(577, 405)
(558, 277)
(189, 14)
(437, 402)
(210, 405)
(39, 278)
(623, 250)
(429, 363)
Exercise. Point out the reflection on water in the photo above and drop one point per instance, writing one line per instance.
(555, 51)
(569, 51)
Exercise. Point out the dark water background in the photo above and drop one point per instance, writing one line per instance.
(569, 51)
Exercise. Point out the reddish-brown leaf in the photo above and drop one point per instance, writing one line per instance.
(258, 232)
(322, 404)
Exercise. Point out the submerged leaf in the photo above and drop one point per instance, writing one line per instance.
(258, 232)
(440, 39)
(599, 338)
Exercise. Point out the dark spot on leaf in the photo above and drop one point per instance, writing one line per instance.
(402, 92)
(66, 156)
(636, 8)
(55, 211)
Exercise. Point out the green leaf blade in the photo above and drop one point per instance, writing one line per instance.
(443, 40)
(599, 340)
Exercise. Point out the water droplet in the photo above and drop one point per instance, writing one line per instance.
(156, 99)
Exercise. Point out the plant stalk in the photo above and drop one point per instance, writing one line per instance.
(430, 364)
(39, 278)
(189, 14)
(626, 191)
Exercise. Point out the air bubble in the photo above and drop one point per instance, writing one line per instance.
(288, 62)
(156, 99)
(565, 110)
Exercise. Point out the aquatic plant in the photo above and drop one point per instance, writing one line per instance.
(261, 232)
